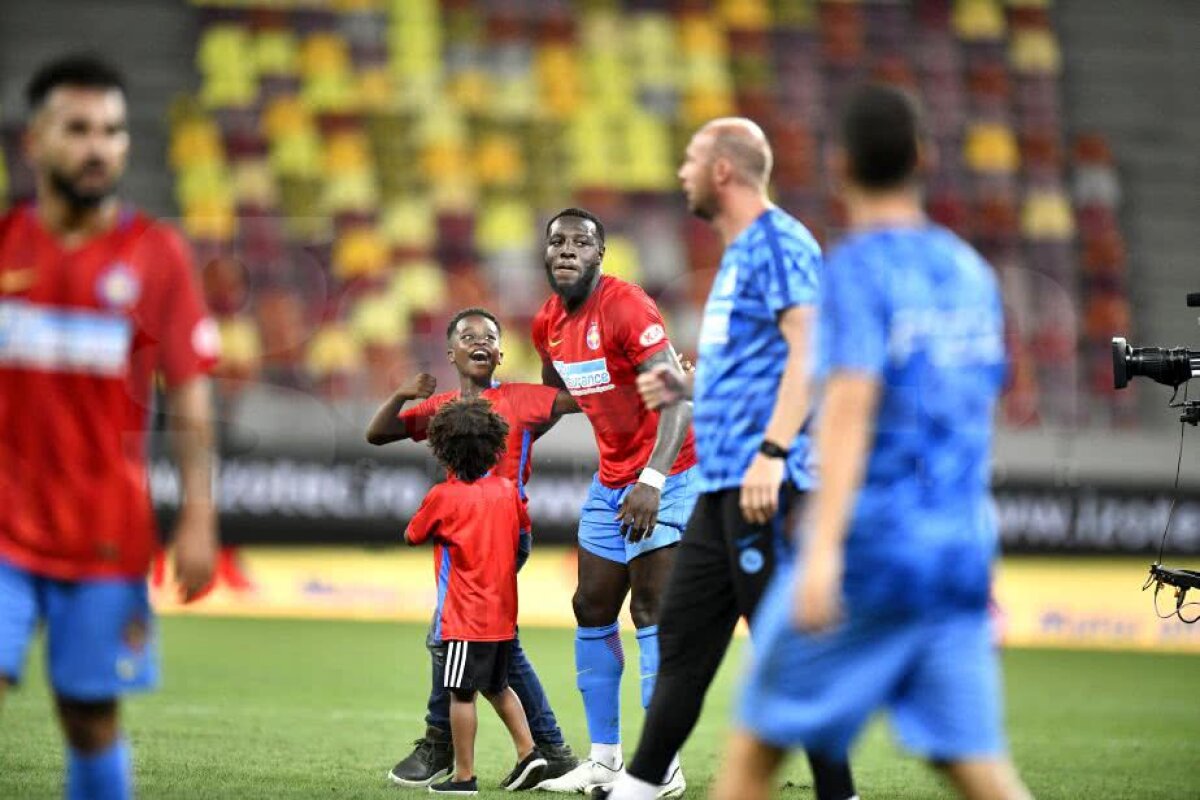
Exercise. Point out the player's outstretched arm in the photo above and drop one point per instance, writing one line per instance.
(386, 425)
(639, 511)
(565, 404)
(189, 408)
(759, 497)
(843, 437)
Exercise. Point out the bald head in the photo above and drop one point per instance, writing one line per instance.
(744, 145)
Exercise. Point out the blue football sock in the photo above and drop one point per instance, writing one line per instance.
(599, 661)
(647, 639)
(107, 775)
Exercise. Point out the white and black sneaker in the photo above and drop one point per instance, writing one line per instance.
(451, 786)
(527, 773)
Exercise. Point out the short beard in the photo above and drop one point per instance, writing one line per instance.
(77, 200)
(703, 209)
(577, 292)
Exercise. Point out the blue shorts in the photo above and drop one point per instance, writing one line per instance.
(99, 633)
(600, 532)
(937, 675)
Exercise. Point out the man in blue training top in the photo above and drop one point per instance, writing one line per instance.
(750, 418)
(886, 607)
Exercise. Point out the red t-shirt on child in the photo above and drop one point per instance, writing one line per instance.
(476, 528)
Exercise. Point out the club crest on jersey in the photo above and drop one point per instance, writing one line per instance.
(118, 287)
(593, 336)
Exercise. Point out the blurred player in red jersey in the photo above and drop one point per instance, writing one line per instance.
(476, 519)
(595, 335)
(95, 299)
(473, 340)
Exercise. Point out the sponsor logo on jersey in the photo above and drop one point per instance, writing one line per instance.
(593, 336)
(585, 377)
(118, 286)
(71, 340)
(652, 335)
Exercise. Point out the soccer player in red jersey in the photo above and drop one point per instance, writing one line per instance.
(476, 519)
(95, 300)
(473, 340)
(595, 335)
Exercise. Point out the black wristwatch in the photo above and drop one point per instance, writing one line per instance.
(772, 450)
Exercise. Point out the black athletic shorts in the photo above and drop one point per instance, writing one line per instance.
(477, 666)
(721, 553)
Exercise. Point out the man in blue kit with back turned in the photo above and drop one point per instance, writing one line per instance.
(886, 605)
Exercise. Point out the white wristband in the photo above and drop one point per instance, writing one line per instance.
(652, 477)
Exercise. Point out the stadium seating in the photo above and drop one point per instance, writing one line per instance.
(376, 164)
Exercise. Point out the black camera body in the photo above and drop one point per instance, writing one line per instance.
(1170, 366)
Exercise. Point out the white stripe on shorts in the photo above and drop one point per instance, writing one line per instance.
(449, 670)
(462, 665)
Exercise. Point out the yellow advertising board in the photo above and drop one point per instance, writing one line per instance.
(1042, 601)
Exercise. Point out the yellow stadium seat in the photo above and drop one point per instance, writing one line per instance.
(521, 360)
(506, 224)
(979, 20)
(324, 54)
(513, 99)
(360, 252)
(210, 182)
(441, 161)
(378, 319)
(650, 162)
(195, 142)
(702, 35)
(297, 155)
(457, 193)
(1047, 216)
(335, 92)
(441, 124)
(499, 162)
(276, 52)
(621, 260)
(254, 184)
(409, 223)
(286, 116)
(420, 286)
(212, 219)
(228, 90)
(991, 147)
(346, 151)
(471, 89)
(351, 192)
(1035, 52)
(376, 90)
(745, 14)
(558, 79)
(333, 350)
(241, 346)
(222, 48)
(701, 105)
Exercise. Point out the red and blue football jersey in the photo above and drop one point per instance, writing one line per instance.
(596, 350)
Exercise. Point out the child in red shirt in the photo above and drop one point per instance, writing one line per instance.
(475, 520)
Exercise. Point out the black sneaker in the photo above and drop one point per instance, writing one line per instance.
(560, 759)
(528, 772)
(451, 786)
(432, 758)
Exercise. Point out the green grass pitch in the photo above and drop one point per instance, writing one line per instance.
(256, 708)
